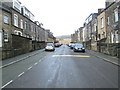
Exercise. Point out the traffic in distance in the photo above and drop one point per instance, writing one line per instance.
(75, 46)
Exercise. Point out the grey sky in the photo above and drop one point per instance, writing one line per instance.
(62, 17)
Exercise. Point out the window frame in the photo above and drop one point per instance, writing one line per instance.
(116, 16)
(16, 20)
(95, 27)
(5, 36)
(108, 20)
(25, 25)
(102, 22)
(116, 37)
(112, 37)
(21, 23)
(1, 39)
(6, 20)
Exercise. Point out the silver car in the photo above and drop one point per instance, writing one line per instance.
(50, 47)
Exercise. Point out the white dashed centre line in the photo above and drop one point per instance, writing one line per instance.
(30, 68)
(21, 74)
(35, 63)
(7, 84)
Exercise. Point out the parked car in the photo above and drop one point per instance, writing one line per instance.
(72, 45)
(50, 47)
(69, 44)
(78, 47)
(57, 44)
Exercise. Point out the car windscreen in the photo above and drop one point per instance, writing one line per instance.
(49, 44)
(78, 45)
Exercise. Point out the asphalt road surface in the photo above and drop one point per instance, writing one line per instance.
(62, 68)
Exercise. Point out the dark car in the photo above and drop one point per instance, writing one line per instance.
(57, 44)
(79, 48)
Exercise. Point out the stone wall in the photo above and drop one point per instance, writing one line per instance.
(112, 49)
(20, 45)
(87, 45)
(94, 46)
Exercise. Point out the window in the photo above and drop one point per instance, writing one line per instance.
(27, 13)
(90, 18)
(6, 19)
(108, 20)
(21, 24)
(103, 35)
(116, 36)
(15, 20)
(32, 27)
(5, 36)
(0, 39)
(95, 27)
(25, 25)
(99, 36)
(116, 14)
(112, 37)
(102, 23)
(17, 5)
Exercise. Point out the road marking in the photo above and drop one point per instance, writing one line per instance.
(30, 68)
(21, 74)
(7, 84)
(35, 63)
(70, 56)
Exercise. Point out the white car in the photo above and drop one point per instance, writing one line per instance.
(50, 47)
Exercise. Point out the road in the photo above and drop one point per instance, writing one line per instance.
(62, 68)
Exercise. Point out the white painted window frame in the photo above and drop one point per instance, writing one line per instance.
(0, 39)
(16, 20)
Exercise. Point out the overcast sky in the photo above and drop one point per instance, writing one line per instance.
(62, 17)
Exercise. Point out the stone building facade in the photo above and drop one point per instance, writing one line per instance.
(80, 35)
(19, 33)
(112, 22)
(101, 30)
(49, 36)
(101, 26)
(72, 37)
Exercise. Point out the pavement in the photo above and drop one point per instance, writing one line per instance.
(62, 68)
(108, 58)
(16, 59)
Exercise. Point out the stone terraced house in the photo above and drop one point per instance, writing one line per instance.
(19, 32)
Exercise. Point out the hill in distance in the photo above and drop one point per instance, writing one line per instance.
(63, 37)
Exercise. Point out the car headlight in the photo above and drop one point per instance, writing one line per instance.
(76, 48)
(83, 48)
